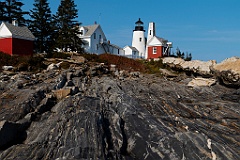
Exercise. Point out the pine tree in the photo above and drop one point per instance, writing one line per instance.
(67, 27)
(41, 25)
(2, 11)
(178, 52)
(12, 10)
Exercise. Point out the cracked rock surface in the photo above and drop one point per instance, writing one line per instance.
(101, 116)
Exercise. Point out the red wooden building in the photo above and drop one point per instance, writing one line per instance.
(157, 47)
(15, 40)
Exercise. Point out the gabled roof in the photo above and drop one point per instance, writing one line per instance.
(114, 46)
(132, 48)
(19, 32)
(91, 29)
(159, 40)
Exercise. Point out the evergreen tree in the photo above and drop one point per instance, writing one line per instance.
(12, 10)
(41, 25)
(190, 57)
(2, 11)
(182, 55)
(178, 52)
(67, 27)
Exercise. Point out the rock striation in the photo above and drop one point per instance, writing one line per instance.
(90, 112)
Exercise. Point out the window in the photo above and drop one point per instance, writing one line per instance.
(96, 46)
(140, 39)
(94, 35)
(154, 50)
(81, 32)
(150, 32)
(100, 37)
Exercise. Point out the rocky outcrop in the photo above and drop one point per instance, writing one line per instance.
(195, 66)
(115, 115)
(228, 71)
(200, 82)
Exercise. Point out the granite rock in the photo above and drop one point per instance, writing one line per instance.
(195, 66)
(140, 117)
(228, 71)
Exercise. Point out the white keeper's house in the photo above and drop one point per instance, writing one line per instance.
(96, 42)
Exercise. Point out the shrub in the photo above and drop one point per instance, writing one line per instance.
(36, 63)
(64, 65)
(58, 55)
(152, 66)
(22, 62)
(123, 63)
(92, 57)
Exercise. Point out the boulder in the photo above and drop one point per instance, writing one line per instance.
(228, 71)
(195, 66)
(78, 59)
(168, 73)
(54, 66)
(7, 68)
(199, 82)
(62, 93)
(113, 68)
(9, 133)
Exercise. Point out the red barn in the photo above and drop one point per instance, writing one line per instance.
(157, 47)
(15, 40)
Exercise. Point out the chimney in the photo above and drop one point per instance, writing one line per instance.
(15, 23)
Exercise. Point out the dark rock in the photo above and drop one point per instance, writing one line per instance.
(61, 82)
(102, 117)
(10, 134)
(69, 83)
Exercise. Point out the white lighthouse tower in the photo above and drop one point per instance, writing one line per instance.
(138, 40)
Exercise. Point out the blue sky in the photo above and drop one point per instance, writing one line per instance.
(209, 29)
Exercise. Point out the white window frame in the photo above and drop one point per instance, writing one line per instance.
(154, 50)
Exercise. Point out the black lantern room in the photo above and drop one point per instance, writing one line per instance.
(139, 25)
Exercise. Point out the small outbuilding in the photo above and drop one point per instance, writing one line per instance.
(131, 52)
(16, 40)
